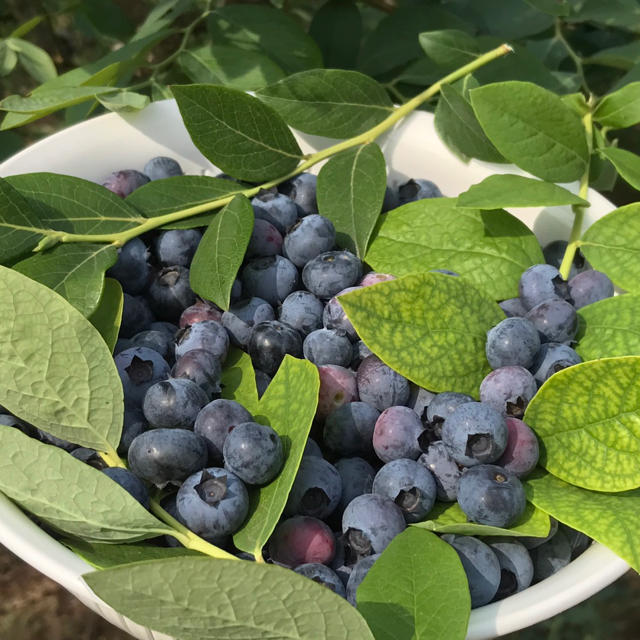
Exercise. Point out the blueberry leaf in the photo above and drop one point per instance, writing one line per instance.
(107, 315)
(237, 132)
(509, 190)
(587, 418)
(69, 495)
(337, 27)
(329, 102)
(200, 598)
(626, 163)
(552, 7)
(490, 249)
(120, 101)
(221, 251)
(239, 380)
(621, 108)
(449, 48)
(44, 102)
(34, 60)
(532, 128)
(287, 406)
(350, 193)
(608, 518)
(56, 372)
(427, 317)
(449, 518)
(410, 586)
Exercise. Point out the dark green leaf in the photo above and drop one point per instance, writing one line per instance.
(105, 17)
(162, 16)
(449, 48)
(427, 317)
(69, 495)
(108, 314)
(406, 592)
(490, 249)
(221, 252)
(10, 143)
(626, 163)
(620, 109)
(552, 7)
(238, 133)
(56, 372)
(337, 28)
(329, 102)
(550, 51)
(8, 58)
(624, 14)
(34, 60)
(239, 380)
(45, 102)
(512, 20)
(577, 102)
(532, 128)
(124, 101)
(623, 57)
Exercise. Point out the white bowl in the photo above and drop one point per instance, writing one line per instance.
(94, 148)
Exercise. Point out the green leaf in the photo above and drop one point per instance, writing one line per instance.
(108, 314)
(509, 190)
(162, 16)
(238, 133)
(624, 14)
(239, 380)
(626, 163)
(105, 17)
(417, 578)
(459, 128)
(622, 57)
(75, 271)
(273, 32)
(221, 251)
(69, 495)
(56, 372)
(608, 328)
(490, 249)
(27, 27)
(620, 109)
(329, 102)
(8, 58)
(124, 101)
(337, 28)
(10, 143)
(221, 64)
(532, 128)
(608, 518)
(587, 418)
(427, 317)
(512, 20)
(292, 422)
(350, 192)
(449, 518)
(204, 598)
(552, 7)
(45, 102)
(612, 245)
(34, 60)
(449, 48)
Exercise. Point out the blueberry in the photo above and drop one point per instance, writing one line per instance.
(374, 277)
(554, 253)
(348, 429)
(236, 290)
(300, 540)
(551, 358)
(321, 574)
(522, 452)
(208, 335)
(242, 316)
(91, 457)
(312, 449)
(302, 311)
(578, 541)
(334, 316)
(47, 438)
(417, 189)
(253, 452)
(531, 542)
(396, 434)
(201, 367)
(481, 566)
(213, 502)
(177, 246)
(490, 495)
(121, 345)
(444, 469)
(360, 352)
(508, 390)
(513, 308)
(327, 346)
(331, 272)
(589, 287)
(269, 343)
(514, 341)
(542, 282)
(162, 456)
(275, 208)
(200, 311)
(173, 403)
(302, 190)
(410, 485)
(265, 240)
(419, 400)
(555, 320)
(358, 574)
(162, 167)
(357, 478)
(370, 522)
(157, 340)
(475, 433)
(272, 278)
(8, 420)
(316, 491)
(308, 238)
(337, 387)
(166, 327)
(262, 381)
(170, 292)
(136, 316)
(390, 200)
(216, 420)
(130, 483)
(381, 386)
(443, 405)
(446, 272)
(131, 269)
(516, 566)
(124, 182)
(551, 556)
(139, 368)
(134, 424)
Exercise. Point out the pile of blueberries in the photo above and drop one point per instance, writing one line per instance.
(384, 451)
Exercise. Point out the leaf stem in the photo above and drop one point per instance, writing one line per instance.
(577, 60)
